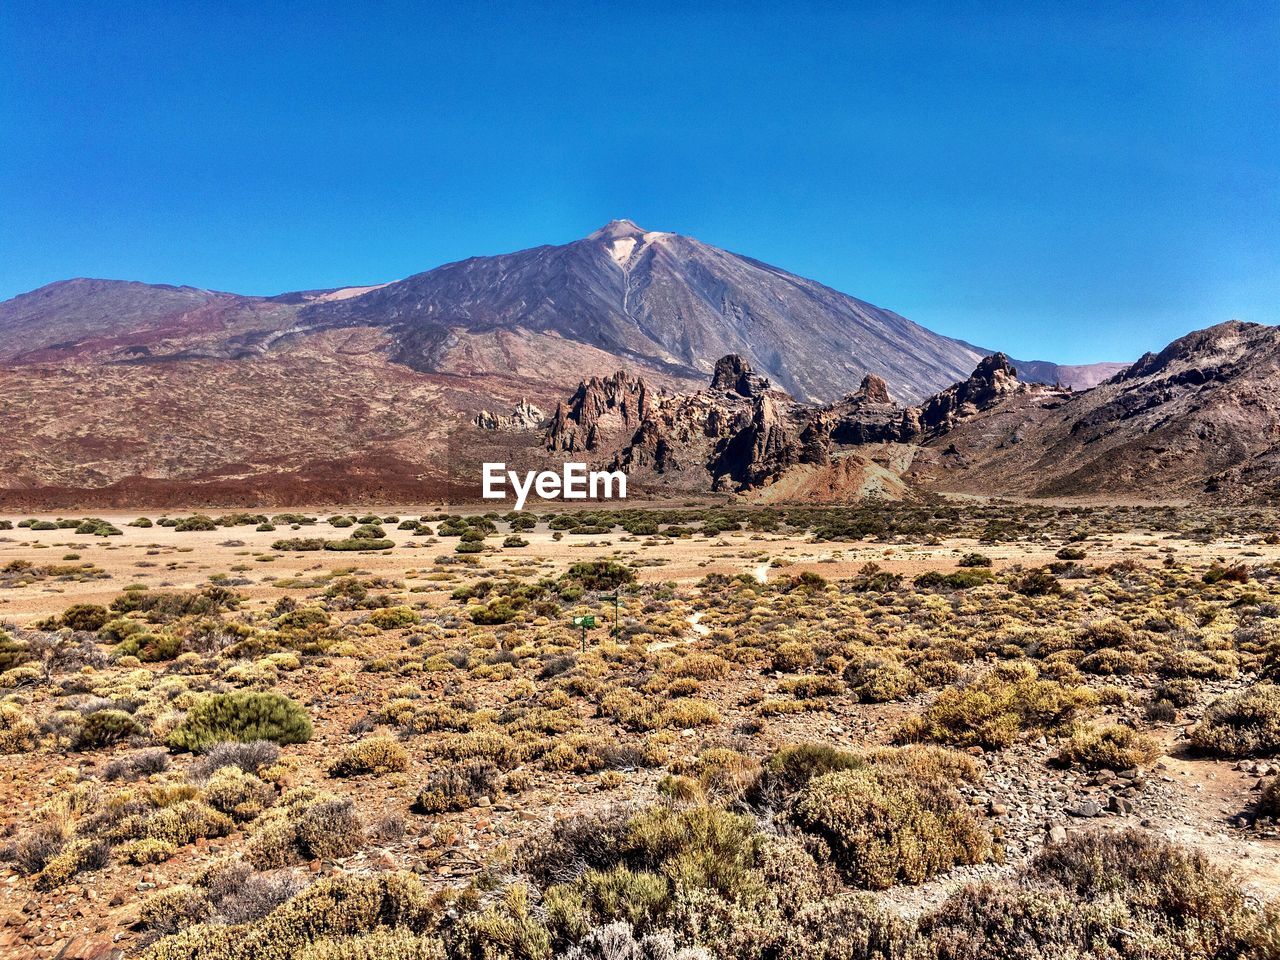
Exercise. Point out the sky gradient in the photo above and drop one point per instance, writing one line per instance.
(1068, 186)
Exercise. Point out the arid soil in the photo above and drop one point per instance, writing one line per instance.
(670, 613)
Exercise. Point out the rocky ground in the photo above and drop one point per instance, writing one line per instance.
(1023, 797)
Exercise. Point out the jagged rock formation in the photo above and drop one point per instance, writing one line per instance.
(524, 416)
(869, 415)
(734, 375)
(994, 379)
(765, 448)
(601, 410)
(739, 434)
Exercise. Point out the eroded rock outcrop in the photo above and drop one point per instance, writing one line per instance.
(994, 379)
(734, 375)
(601, 410)
(524, 416)
(740, 434)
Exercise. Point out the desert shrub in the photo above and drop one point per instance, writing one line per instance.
(880, 680)
(147, 850)
(243, 895)
(330, 828)
(354, 543)
(584, 753)
(791, 656)
(393, 618)
(169, 910)
(883, 824)
(251, 757)
(1126, 895)
(701, 666)
(77, 855)
(506, 928)
(1181, 691)
(1036, 583)
(144, 763)
(600, 574)
(243, 716)
(456, 787)
(1217, 573)
(18, 732)
(845, 928)
(993, 710)
(1071, 553)
(185, 822)
(85, 616)
(330, 909)
(622, 862)
(957, 580)
(1243, 724)
(103, 728)
(975, 560)
(96, 527)
(299, 544)
(150, 647)
(492, 746)
(1108, 663)
(619, 941)
(789, 770)
(377, 755)
(240, 795)
(195, 522)
(381, 944)
(1112, 747)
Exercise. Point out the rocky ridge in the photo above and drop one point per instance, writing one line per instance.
(741, 433)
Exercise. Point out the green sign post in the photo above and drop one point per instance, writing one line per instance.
(585, 622)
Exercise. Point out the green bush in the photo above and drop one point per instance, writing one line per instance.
(1108, 748)
(1243, 724)
(883, 824)
(243, 717)
(299, 544)
(85, 616)
(354, 544)
(600, 574)
(958, 580)
(393, 618)
(198, 522)
(992, 711)
(105, 727)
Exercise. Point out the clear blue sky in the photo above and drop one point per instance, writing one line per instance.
(1075, 186)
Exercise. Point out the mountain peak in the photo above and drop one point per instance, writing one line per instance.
(617, 229)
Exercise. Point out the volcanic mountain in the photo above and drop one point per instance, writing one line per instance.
(661, 300)
(658, 301)
(111, 387)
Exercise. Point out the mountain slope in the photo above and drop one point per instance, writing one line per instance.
(666, 299)
(1201, 419)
